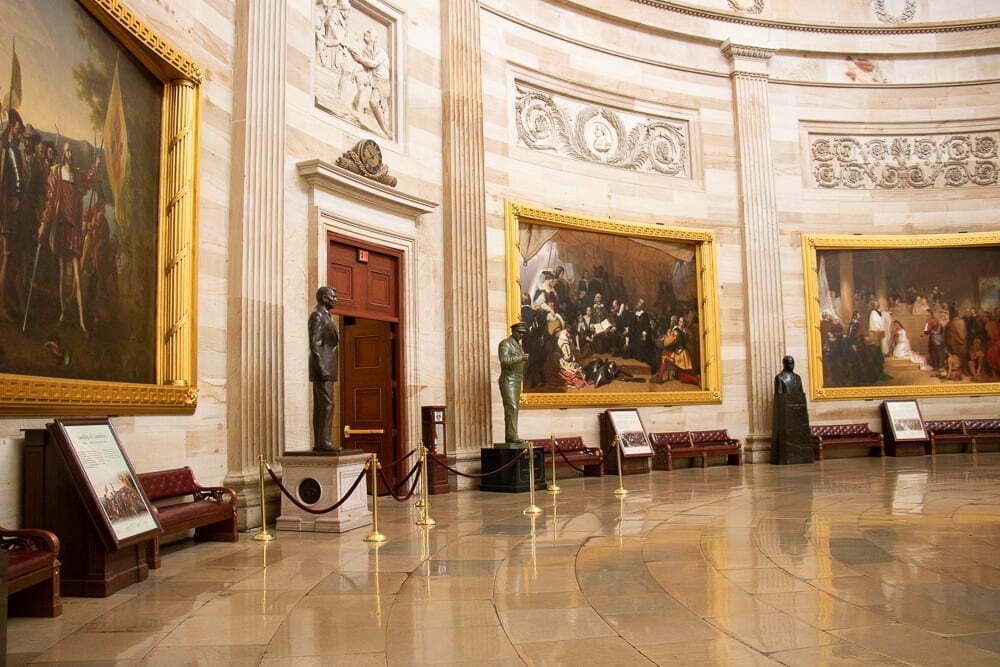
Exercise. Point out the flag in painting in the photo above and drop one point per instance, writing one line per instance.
(116, 143)
(13, 99)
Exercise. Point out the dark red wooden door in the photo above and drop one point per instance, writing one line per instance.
(366, 287)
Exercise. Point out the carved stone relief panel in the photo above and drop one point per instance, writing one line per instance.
(748, 6)
(357, 62)
(894, 11)
(904, 161)
(570, 127)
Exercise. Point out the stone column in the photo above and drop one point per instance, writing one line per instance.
(759, 213)
(466, 310)
(255, 401)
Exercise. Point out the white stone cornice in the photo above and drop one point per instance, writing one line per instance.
(326, 176)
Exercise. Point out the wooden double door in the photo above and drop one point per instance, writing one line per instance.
(368, 283)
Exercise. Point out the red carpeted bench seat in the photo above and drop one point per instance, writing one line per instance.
(670, 445)
(981, 430)
(947, 431)
(589, 458)
(211, 512)
(32, 572)
(846, 435)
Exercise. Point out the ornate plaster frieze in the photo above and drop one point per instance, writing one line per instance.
(895, 28)
(907, 10)
(562, 125)
(891, 162)
(748, 6)
(358, 61)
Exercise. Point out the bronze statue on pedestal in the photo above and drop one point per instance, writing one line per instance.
(512, 359)
(791, 440)
(324, 367)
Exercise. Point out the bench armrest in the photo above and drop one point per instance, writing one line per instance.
(216, 493)
(30, 538)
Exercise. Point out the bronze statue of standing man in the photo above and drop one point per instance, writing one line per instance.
(512, 359)
(324, 367)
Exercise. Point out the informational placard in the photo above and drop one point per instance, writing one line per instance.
(108, 478)
(631, 433)
(905, 420)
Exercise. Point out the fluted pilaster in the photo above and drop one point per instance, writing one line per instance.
(467, 315)
(256, 362)
(759, 213)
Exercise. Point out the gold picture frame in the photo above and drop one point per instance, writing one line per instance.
(812, 245)
(175, 387)
(703, 243)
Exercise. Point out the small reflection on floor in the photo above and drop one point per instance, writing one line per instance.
(887, 562)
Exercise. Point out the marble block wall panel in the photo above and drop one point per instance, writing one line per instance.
(204, 31)
(513, 51)
(414, 158)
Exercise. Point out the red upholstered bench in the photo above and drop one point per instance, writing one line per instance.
(589, 458)
(717, 442)
(32, 572)
(846, 435)
(981, 430)
(948, 430)
(210, 513)
(670, 445)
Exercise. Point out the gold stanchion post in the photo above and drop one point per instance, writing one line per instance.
(262, 535)
(553, 488)
(621, 491)
(532, 509)
(423, 479)
(424, 518)
(375, 535)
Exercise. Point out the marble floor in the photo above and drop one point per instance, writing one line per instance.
(869, 561)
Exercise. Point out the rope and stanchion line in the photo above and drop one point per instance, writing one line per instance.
(414, 472)
(472, 475)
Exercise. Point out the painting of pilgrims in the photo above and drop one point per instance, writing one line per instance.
(613, 310)
(908, 317)
(79, 176)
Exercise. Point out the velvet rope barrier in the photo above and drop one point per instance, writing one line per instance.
(400, 483)
(573, 466)
(400, 459)
(434, 457)
(332, 507)
(392, 491)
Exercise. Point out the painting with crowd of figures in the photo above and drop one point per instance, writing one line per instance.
(616, 312)
(80, 172)
(917, 320)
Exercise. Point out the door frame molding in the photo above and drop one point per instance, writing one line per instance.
(400, 444)
(354, 232)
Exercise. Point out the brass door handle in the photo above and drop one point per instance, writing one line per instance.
(348, 431)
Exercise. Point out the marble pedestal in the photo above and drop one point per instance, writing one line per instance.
(333, 475)
(514, 479)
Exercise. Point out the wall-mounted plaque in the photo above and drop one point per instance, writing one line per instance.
(106, 481)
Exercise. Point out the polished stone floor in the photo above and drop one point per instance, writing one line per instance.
(851, 561)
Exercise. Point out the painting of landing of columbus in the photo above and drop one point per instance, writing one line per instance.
(926, 317)
(611, 313)
(79, 191)
(353, 65)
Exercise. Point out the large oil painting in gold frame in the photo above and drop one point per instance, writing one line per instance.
(99, 177)
(619, 313)
(903, 316)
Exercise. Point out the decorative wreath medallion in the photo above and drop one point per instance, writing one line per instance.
(905, 16)
(366, 159)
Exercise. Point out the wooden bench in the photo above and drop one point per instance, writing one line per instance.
(982, 429)
(846, 435)
(589, 458)
(947, 431)
(210, 513)
(32, 572)
(671, 445)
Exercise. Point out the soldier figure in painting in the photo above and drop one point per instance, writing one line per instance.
(324, 366)
(512, 359)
